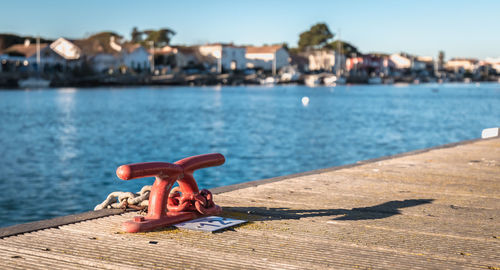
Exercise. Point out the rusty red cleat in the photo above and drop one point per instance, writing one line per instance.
(167, 206)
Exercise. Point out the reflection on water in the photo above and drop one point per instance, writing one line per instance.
(60, 147)
(67, 130)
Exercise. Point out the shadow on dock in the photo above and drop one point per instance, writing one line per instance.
(378, 211)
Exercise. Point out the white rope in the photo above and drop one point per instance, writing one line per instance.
(118, 199)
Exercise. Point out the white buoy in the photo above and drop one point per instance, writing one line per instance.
(305, 101)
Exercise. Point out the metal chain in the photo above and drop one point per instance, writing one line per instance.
(201, 202)
(177, 201)
(120, 199)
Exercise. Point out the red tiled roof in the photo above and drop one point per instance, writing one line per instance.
(27, 51)
(223, 45)
(464, 59)
(264, 49)
(187, 50)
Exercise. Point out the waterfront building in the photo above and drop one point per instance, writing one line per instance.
(25, 50)
(24, 57)
(106, 54)
(224, 56)
(423, 63)
(101, 53)
(354, 63)
(400, 61)
(321, 60)
(494, 62)
(15, 57)
(404, 61)
(69, 54)
(461, 64)
(135, 57)
(268, 58)
(180, 57)
(427, 61)
(66, 49)
(371, 63)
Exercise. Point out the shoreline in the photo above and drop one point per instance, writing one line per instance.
(10, 81)
(117, 86)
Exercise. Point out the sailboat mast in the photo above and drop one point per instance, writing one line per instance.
(339, 50)
(274, 63)
(38, 53)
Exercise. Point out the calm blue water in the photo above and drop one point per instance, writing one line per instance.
(59, 148)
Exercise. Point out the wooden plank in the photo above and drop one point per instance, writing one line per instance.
(55, 222)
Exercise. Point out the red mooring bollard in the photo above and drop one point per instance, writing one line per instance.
(183, 203)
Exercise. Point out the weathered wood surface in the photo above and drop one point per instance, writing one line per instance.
(438, 209)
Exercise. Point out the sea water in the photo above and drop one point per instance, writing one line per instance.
(59, 148)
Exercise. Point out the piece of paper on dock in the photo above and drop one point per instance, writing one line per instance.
(209, 224)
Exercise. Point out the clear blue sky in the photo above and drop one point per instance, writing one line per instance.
(460, 28)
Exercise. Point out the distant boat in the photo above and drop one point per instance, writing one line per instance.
(289, 74)
(375, 80)
(389, 81)
(268, 81)
(341, 80)
(35, 82)
(333, 80)
(312, 80)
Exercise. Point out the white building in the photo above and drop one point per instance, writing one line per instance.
(400, 61)
(224, 56)
(62, 55)
(463, 64)
(136, 57)
(423, 62)
(406, 61)
(110, 55)
(66, 49)
(272, 57)
(494, 62)
(321, 60)
(27, 55)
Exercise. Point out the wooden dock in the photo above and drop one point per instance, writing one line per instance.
(432, 209)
